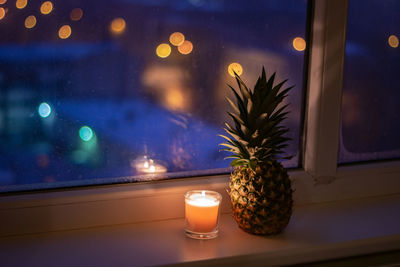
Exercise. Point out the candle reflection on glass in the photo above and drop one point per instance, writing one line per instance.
(145, 165)
(202, 213)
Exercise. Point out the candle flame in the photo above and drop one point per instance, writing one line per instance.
(203, 193)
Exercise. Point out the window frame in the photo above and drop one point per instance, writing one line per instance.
(320, 179)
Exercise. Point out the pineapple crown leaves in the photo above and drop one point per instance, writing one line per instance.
(256, 134)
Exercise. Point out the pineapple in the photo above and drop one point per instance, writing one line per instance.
(260, 188)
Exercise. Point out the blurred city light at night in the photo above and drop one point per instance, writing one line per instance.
(76, 14)
(86, 133)
(64, 32)
(235, 67)
(393, 41)
(30, 22)
(186, 47)
(176, 38)
(2, 12)
(163, 50)
(46, 7)
(117, 25)
(174, 99)
(129, 82)
(44, 110)
(20, 4)
(299, 44)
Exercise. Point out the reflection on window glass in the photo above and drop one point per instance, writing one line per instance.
(93, 92)
(371, 89)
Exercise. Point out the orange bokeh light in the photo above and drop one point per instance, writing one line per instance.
(30, 22)
(299, 44)
(20, 4)
(186, 47)
(176, 38)
(393, 41)
(76, 14)
(235, 67)
(64, 32)
(46, 7)
(2, 13)
(117, 25)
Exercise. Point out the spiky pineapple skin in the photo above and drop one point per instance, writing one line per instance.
(261, 199)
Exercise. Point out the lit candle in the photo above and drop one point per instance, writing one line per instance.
(201, 213)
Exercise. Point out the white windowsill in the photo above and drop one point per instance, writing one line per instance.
(353, 213)
(149, 202)
(316, 232)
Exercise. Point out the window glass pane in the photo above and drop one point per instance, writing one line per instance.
(95, 92)
(371, 88)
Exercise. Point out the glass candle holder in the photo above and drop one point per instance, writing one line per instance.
(202, 208)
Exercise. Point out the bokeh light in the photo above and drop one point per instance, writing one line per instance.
(44, 110)
(2, 2)
(86, 133)
(46, 7)
(117, 25)
(20, 4)
(176, 38)
(235, 67)
(174, 99)
(299, 44)
(30, 22)
(2, 12)
(64, 32)
(163, 50)
(393, 41)
(76, 14)
(186, 47)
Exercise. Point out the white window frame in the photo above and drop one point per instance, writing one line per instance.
(320, 180)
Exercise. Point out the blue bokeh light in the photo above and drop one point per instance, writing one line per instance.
(44, 110)
(86, 133)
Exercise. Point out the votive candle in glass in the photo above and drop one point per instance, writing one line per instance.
(202, 208)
